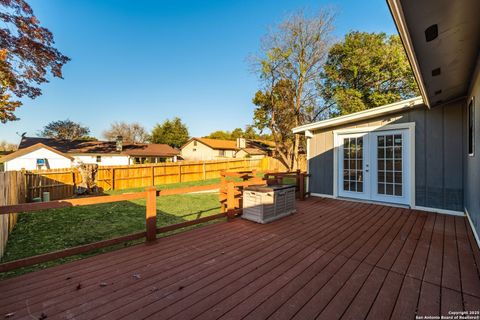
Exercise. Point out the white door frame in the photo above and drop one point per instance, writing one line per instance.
(410, 126)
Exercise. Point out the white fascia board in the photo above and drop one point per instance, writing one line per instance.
(361, 115)
(400, 22)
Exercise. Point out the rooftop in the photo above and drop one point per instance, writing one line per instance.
(332, 259)
(99, 147)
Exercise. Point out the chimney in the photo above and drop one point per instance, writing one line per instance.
(119, 145)
(241, 143)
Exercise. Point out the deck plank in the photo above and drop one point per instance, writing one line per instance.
(429, 300)
(450, 271)
(417, 265)
(433, 269)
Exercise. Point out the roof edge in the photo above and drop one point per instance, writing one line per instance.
(398, 17)
(361, 115)
(24, 151)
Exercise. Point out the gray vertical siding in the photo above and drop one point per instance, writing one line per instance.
(472, 164)
(439, 154)
(321, 164)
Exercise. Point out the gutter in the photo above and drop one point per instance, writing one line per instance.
(362, 115)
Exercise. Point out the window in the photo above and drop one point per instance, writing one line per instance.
(221, 153)
(471, 128)
(99, 158)
(194, 143)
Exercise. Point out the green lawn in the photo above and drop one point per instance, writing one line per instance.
(56, 229)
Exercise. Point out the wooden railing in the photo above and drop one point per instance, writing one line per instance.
(298, 176)
(230, 197)
(150, 194)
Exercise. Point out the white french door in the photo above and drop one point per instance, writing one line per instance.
(374, 166)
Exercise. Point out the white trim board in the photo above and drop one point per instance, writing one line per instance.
(441, 211)
(361, 115)
(475, 234)
(322, 195)
(420, 208)
(397, 13)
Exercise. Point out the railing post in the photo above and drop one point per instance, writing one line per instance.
(297, 178)
(151, 213)
(230, 200)
(301, 187)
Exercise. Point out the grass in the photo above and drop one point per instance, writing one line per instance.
(57, 229)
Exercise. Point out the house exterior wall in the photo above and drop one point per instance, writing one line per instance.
(107, 160)
(472, 163)
(203, 152)
(242, 154)
(439, 154)
(29, 161)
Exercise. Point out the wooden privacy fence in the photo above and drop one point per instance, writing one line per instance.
(61, 182)
(12, 191)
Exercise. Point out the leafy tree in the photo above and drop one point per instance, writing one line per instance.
(130, 132)
(237, 133)
(366, 70)
(220, 135)
(65, 129)
(289, 67)
(27, 55)
(172, 132)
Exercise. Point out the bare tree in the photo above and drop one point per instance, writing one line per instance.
(289, 67)
(130, 132)
(5, 146)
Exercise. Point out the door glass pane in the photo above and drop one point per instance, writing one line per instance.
(389, 164)
(381, 188)
(353, 164)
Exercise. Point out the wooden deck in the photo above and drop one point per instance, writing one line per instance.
(333, 259)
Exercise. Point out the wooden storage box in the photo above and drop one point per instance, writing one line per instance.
(264, 204)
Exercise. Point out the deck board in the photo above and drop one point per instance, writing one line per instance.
(332, 259)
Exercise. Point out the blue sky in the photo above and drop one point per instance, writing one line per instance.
(149, 60)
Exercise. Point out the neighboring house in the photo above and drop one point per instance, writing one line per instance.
(421, 152)
(36, 157)
(213, 149)
(252, 153)
(103, 153)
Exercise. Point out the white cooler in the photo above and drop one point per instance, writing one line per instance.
(264, 204)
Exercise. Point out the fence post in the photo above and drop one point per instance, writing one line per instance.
(151, 213)
(179, 172)
(112, 176)
(230, 200)
(301, 188)
(204, 171)
(153, 175)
